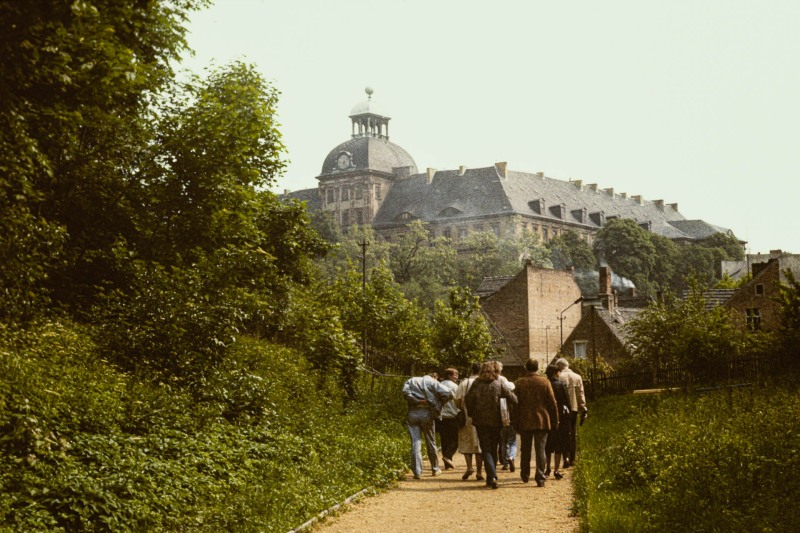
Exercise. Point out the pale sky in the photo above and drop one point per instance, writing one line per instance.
(693, 102)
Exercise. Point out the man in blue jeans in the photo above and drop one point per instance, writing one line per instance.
(425, 397)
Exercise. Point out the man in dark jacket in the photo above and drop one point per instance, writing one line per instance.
(483, 405)
(537, 413)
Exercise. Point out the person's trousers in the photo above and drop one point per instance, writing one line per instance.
(421, 425)
(573, 436)
(448, 431)
(508, 445)
(489, 438)
(537, 438)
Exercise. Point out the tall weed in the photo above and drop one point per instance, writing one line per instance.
(723, 460)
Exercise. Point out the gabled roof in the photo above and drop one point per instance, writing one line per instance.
(699, 229)
(617, 320)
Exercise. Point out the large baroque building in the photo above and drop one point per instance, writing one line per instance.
(370, 180)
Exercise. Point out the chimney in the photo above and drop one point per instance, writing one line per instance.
(592, 187)
(431, 173)
(673, 206)
(462, 170)
(502, 169)
(604, 292)
(659, 204)
(623, 195)
(540, 174)
(578, 184)
(286, 192)
(609, 191)
(637, 198)
(758, 267)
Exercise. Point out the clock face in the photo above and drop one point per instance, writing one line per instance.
(343, 161)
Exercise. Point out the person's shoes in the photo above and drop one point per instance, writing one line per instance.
(448, 464)
(436, 472)
(547, 473)
(416, 476)
(540, 483)
(505, 467)
(467, 474)
(479, 477)
(493, 484)
(511, 466)
(558, 475)
(565, 465)
(524, 479)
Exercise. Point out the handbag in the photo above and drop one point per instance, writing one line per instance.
(505, 416)
(461, 418)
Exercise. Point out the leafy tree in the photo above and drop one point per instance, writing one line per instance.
(77, 82)
(628, 250)
(460, 334)
(483, 255)
(570, 250)
(733, 250)
(685, 332)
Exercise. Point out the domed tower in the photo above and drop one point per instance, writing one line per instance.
(357, 174)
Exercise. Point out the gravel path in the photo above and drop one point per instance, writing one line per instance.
(424, 504)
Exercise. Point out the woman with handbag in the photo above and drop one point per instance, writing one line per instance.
(468, 444)
(483, 405)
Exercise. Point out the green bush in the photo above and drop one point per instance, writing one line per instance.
(256, 447)
(722, 460)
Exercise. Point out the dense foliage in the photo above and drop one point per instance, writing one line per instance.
(88, 447)
(725, 460)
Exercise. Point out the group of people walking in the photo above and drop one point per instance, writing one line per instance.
(480, 417)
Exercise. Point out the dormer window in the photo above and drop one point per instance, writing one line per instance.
(404, 216)
(449, 212)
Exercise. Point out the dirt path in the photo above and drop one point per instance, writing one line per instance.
(423, 505)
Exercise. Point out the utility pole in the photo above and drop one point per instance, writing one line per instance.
(364, 245)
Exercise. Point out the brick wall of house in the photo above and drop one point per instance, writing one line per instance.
(525, 313)
(597, 336)
(758, 294)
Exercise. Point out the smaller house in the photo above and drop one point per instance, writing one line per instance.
(601, 328)
(755, 304)
(525, 314)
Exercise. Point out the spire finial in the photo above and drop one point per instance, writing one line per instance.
(369, 92)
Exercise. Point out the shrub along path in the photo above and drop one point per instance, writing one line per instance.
(446, 503)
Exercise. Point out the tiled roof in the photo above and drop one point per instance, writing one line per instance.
(713, 297)
(699, 229)
(490, 286)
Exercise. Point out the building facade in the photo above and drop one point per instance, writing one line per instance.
(370, 180)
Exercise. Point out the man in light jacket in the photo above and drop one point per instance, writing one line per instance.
(425, 397)
(577, 402)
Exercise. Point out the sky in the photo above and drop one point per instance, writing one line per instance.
(693, 102)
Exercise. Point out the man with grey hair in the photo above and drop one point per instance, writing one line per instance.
(425, 397)
(577, 404)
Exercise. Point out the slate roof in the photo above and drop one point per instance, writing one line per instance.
(482, 192)
(310, 196)
(369, 153)
(699, 229)
(617, 320)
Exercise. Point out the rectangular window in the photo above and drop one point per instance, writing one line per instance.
(496, 229)
(359, 193)
(377, 191)
(462, 233)
(331, 196)
(753, 317)
(360, 217)
(545, 235)
(446, 232)
(759, 289)
(581, 349)
(345, 193)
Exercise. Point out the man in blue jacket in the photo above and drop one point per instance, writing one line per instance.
(425, 397)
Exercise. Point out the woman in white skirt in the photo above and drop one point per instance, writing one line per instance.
(467, 436)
